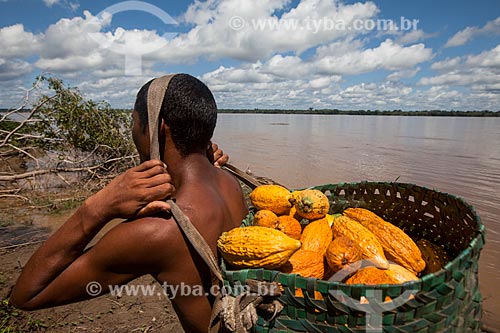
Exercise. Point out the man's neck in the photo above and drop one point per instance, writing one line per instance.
(184, 169)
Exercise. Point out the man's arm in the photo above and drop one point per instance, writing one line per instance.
(57, 270)
(127, 251)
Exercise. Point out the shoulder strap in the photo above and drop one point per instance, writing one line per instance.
(156, 94)
(196, 239)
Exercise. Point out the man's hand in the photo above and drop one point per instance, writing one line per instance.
(216, 155)
(138, 192)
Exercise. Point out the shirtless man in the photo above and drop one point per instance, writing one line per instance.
(61, 268)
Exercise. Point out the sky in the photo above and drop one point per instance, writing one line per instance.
(277, 54)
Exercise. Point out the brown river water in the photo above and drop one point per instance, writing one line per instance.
(450, 154)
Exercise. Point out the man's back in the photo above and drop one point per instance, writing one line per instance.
(213, 201)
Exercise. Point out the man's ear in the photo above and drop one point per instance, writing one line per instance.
(163, 136)
(164, 129)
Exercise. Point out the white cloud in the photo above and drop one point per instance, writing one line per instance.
(291, 67)
(403, 74)
(17, 43)
(72, 37)
(77, 45)
(50, 3)
(490, 59)
(70, 44)
(118, 91)
(12, 93)
(320, 83)
(71, 63)
(414, 36)
(388, 55)
(13, 69)
(462, 78)
(327, 65)
(213, 37)
(482, 69)
(73, 6)
(382, 95)
(480, 74)
(463, 36)
(446, 64)
(312, 89)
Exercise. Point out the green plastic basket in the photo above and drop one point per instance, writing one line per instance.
(446, 301)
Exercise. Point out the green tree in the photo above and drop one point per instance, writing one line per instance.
(71, 122)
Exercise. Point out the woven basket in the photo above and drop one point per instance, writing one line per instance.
(446, 301)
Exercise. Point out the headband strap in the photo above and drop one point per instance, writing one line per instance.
(156, 94)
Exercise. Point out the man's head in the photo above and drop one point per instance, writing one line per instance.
(188, 109)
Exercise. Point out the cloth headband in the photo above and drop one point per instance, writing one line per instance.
(156, 94)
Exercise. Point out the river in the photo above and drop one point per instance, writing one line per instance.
(450, 154)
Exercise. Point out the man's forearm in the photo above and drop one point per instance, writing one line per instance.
(65, 246)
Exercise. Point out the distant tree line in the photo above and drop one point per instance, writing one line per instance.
(427, 113)
(432, 113)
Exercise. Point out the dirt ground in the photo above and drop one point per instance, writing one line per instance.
(19, 238)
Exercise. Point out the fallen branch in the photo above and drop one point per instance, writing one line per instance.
(57, 170)
(15, 196)
(13, 190)
(22, 123)
(10, 247)
(26, 153)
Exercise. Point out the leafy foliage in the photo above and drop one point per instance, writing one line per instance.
(71, 122)
(56, 131)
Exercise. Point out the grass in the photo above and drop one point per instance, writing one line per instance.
(14, 321)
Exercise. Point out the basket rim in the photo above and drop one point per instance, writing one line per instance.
(476, 244)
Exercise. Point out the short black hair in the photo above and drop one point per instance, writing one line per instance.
(188, 108)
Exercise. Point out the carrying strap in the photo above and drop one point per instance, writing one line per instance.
(237, 314)
(156, 94)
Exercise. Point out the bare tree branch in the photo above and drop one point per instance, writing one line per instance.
(25, 153)
(62, 133)
(22, 123)
(57, 170)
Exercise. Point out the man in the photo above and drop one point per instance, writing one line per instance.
(61, 268)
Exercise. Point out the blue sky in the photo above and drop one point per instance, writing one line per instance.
(263, 53)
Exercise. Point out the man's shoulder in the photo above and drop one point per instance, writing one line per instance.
(145, 245)
(143, 235)
(159, 226)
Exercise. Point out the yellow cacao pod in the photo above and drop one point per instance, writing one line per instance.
(372, 275)
(400, 273)
(330, 219)
(265, 218)
(316, 236)
(289, 226)
(397, 245)
(364, 238)
(254, 247)
(305, 263)
(275, 198)
(311, 204)
(341, 253)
